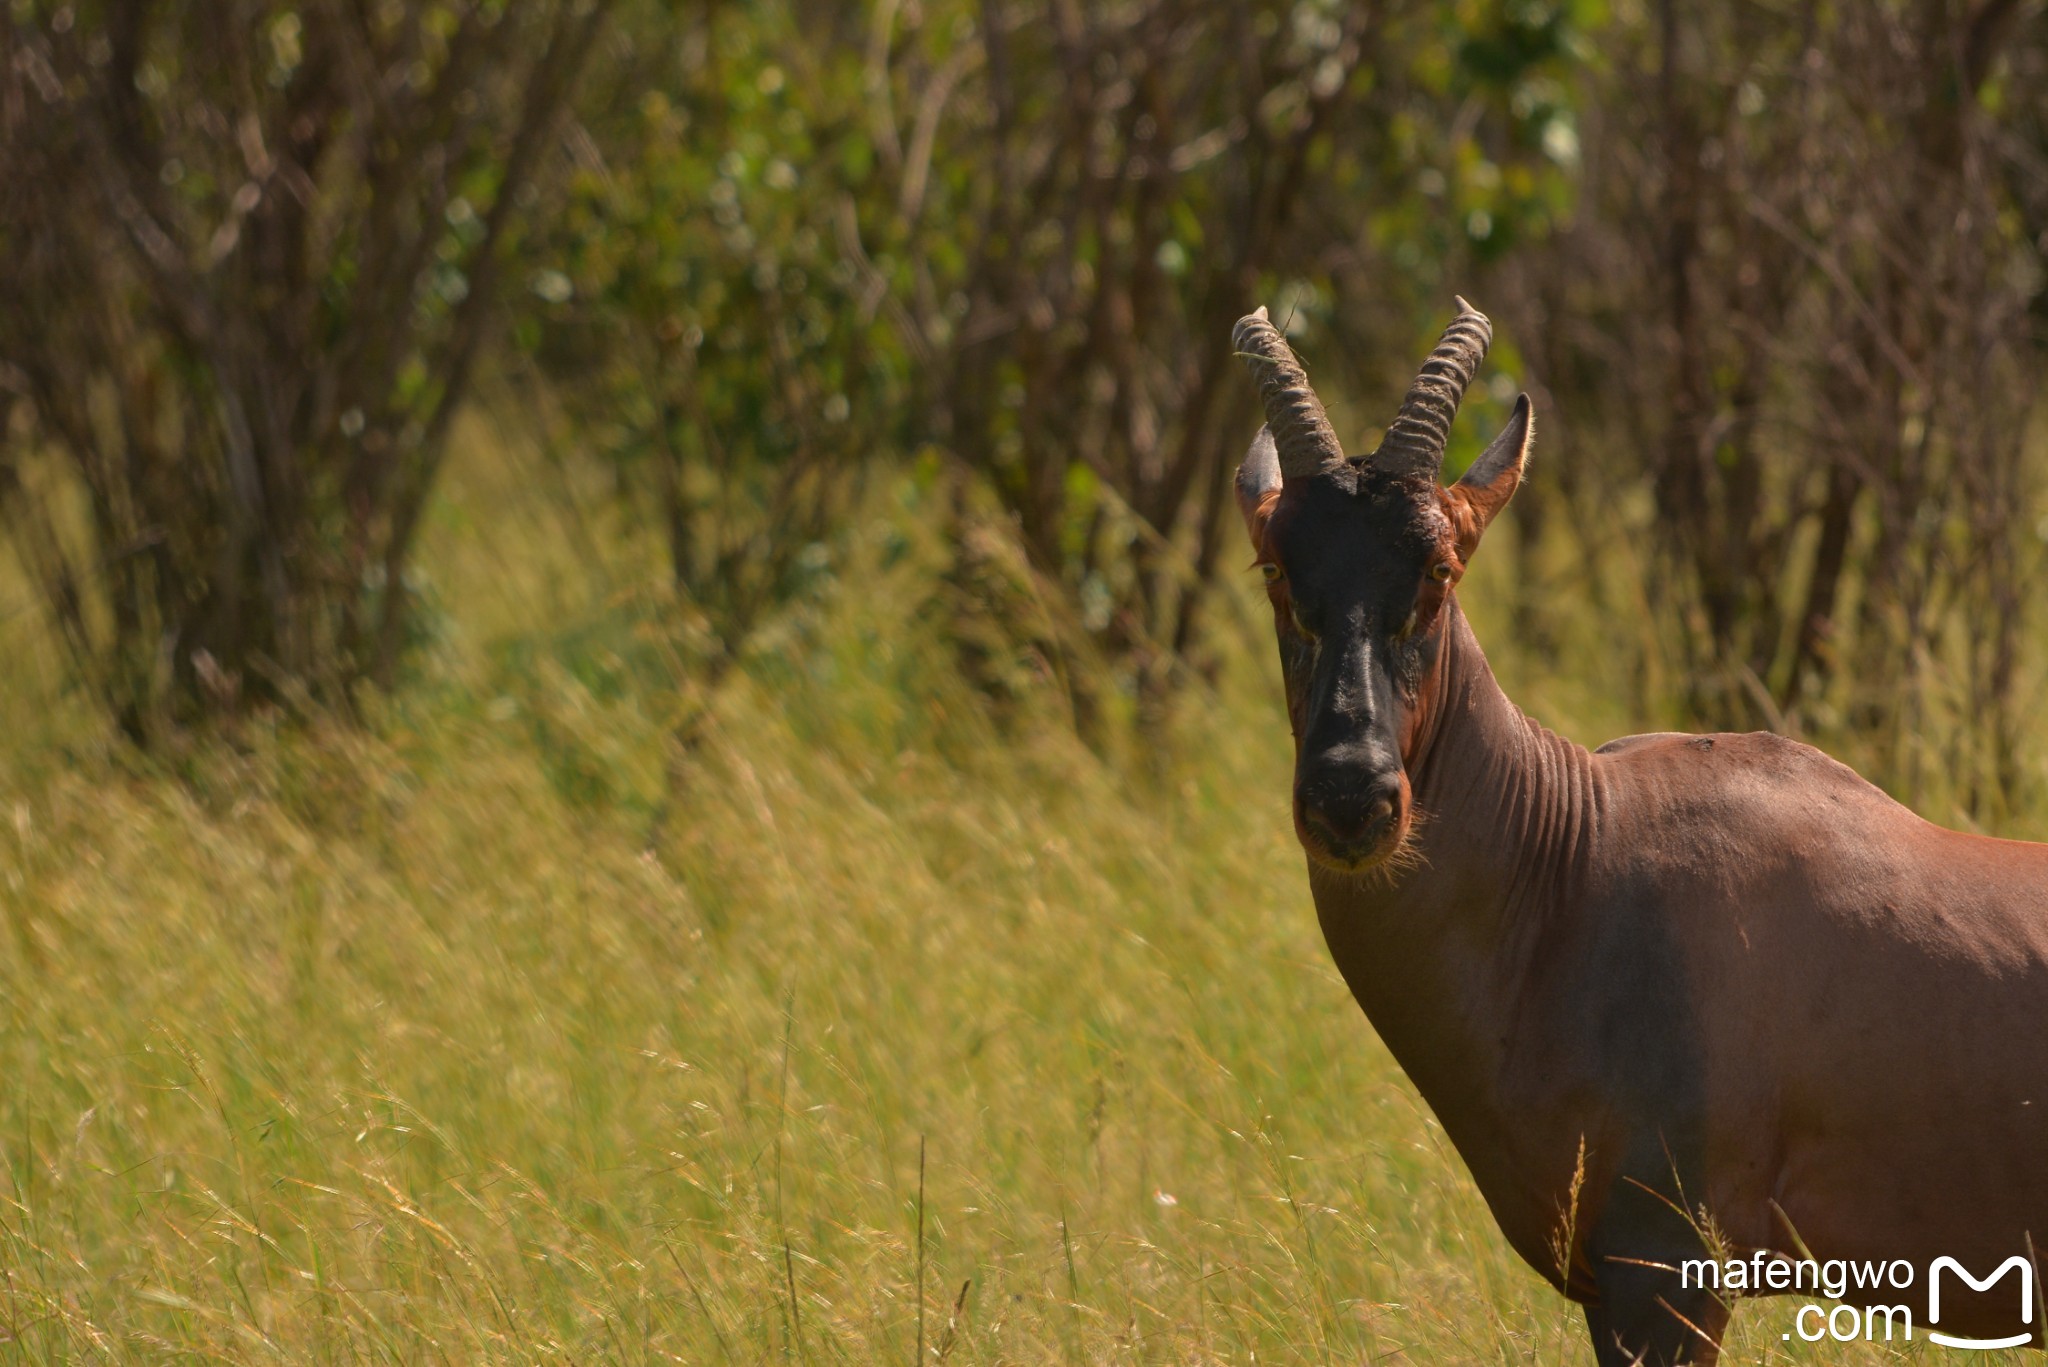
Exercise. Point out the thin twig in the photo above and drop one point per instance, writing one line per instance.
(796, 1314)
(920, 1250)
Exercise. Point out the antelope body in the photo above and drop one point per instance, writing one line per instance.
(1772, 1008)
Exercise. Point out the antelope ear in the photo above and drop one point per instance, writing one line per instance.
(1482, 491)
(1258, 485)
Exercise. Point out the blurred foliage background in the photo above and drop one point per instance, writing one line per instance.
(600, 595)
(1774, 272)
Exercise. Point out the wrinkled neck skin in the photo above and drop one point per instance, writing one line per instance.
(1438, 953)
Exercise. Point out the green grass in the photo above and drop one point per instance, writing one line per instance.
(461, 1039)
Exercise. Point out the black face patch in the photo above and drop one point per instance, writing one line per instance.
(1357, 555)
(1357, 597)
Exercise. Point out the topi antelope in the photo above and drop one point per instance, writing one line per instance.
(1683, 998)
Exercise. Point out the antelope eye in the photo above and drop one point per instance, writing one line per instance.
(1272, 572)
(1441, 572)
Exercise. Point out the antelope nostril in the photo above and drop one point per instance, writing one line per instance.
(1349, 819)
(1344, 805)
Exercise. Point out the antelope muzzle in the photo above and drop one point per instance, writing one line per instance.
(1351, 816)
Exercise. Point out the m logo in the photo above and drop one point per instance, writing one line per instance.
(2013, 1264)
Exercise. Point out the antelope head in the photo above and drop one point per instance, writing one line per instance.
(1360, 555)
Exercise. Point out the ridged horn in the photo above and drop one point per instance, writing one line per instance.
(1301, 430)
(1415, 442)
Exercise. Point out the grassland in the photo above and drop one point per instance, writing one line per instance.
(498, 1032)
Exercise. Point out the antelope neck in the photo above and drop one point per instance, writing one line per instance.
(1440, 955)
(1511, 808)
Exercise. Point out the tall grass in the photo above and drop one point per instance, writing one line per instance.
(501, 1030)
